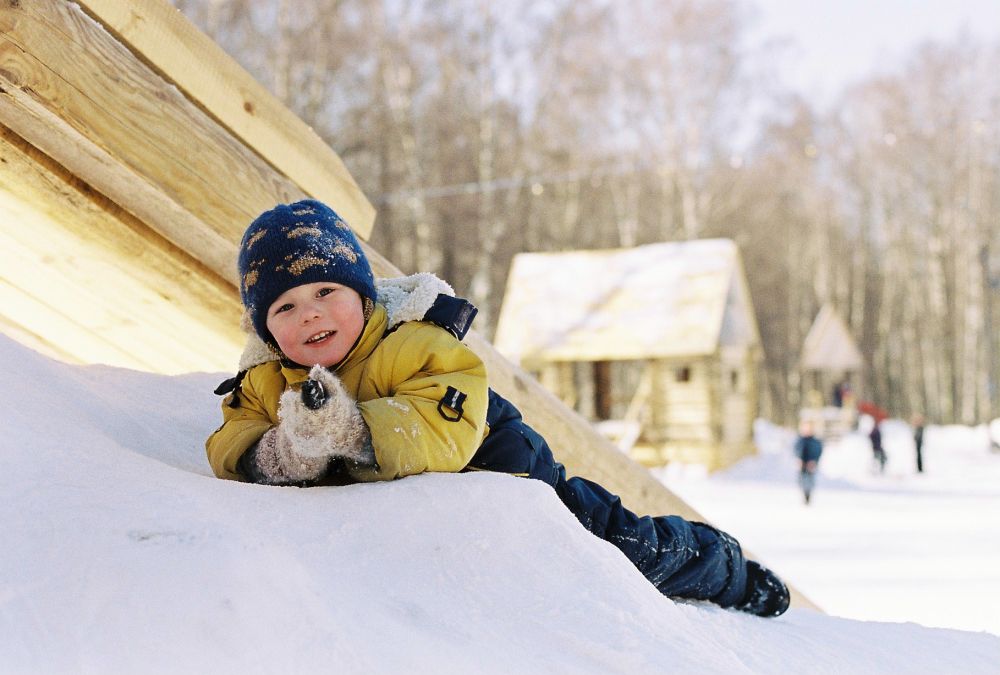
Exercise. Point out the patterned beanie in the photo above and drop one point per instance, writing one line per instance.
(295, 244)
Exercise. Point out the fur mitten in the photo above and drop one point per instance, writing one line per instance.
(766, 594)
(334, 429)
(273, 461)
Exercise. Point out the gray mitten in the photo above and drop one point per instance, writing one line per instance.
(327, 426)
(274, 461)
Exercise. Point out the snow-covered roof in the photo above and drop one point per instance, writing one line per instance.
(653, 301)
(829, 345)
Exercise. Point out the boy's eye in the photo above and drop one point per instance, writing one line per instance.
(325, 291)
(284, 308)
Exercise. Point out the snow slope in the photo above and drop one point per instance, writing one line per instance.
(122, 554)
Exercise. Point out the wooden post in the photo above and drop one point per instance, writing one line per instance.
(602, 389)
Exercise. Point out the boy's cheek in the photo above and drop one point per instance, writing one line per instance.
(280, 333)
(283, 343)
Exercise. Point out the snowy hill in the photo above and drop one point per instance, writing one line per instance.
(122, 555)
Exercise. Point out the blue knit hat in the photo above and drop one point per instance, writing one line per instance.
(295, 244)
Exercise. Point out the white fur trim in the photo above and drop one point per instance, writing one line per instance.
(404, 298)
(409, 298)
(256, 352)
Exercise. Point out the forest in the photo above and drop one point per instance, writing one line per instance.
(480, 130)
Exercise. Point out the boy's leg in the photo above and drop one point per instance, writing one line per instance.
(681, 558)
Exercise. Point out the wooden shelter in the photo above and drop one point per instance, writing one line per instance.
(830, 359)
(830, 356)
(829, 346)
(660, 338)
(133, 153)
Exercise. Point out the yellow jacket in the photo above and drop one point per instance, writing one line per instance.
(398, 379)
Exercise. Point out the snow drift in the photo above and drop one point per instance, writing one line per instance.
(123, 554)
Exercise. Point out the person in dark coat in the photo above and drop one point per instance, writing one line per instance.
(808, 449)
(918, 440)
(346, 380)
(878, 452)
(842, 394)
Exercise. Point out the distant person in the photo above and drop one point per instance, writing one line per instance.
(843, 395)
(808, 449)
(878, 452)
(918, 440)
(349, 380)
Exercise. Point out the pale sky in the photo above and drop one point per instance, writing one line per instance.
(836, 42)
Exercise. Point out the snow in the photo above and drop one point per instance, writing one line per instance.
(123, 554)
(901, 546)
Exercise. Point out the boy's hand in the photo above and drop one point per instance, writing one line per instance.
(333, 429)
(766, 594)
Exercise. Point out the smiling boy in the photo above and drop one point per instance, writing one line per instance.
(402, 395)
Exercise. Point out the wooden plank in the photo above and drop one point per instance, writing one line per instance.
(72, 90)
(36, 316)
(165, 39)
(145, 200)
(83, 281)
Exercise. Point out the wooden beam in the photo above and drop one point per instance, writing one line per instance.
(146, 200)
(72, 90)
(164, 38)
(82, 280)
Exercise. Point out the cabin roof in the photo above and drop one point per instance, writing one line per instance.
(671, 299)
(829, 344)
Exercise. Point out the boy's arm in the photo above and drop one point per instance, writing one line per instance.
(434, 416)
(242, 427)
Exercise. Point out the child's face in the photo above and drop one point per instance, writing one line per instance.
(316, 323)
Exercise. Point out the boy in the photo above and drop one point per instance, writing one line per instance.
(349, 382)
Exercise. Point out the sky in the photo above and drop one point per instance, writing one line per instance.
(121, 553)
(835, 42)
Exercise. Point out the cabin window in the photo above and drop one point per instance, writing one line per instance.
(683, 374)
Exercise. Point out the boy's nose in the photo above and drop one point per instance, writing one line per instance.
(309, 312)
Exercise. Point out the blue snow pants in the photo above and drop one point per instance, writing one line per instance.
(682, 558)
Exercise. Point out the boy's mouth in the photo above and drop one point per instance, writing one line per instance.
(319, 337)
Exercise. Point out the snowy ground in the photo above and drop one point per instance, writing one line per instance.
(121, 554)
(896, 547)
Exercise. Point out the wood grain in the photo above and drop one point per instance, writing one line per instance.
(164, 38)
(84, 281)
(72, 90)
